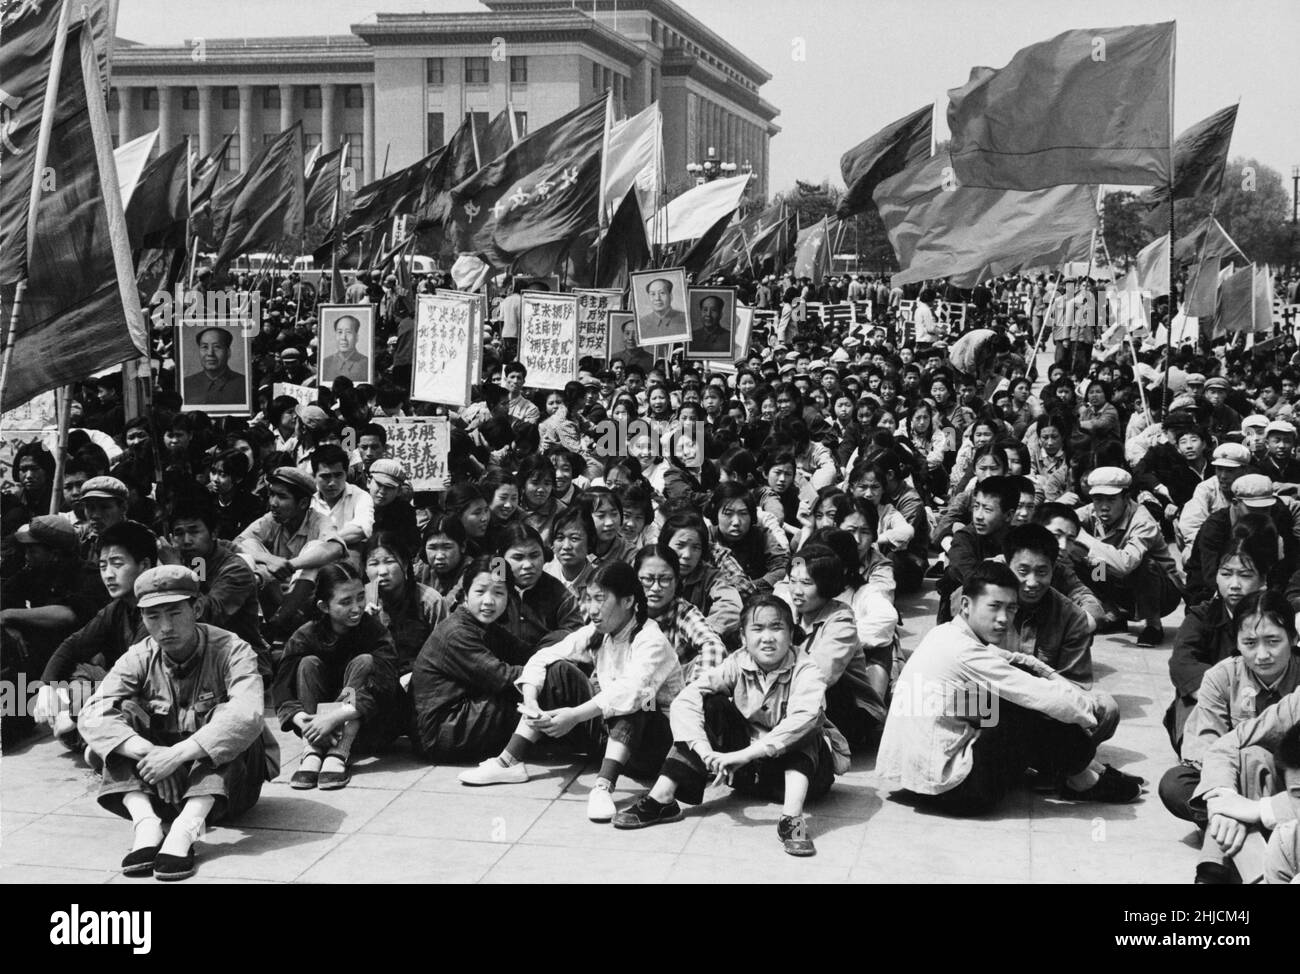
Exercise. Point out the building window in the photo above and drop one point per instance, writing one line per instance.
(271, 96)
(311, 96)
(189, 99)
(654, 84)
(437, 132)
(114, 103)
(521, 123)
(229, 97)
(607, 76)
(595, 75)
(233, 154)
(476, 71)
(150, 100)
(518, 70)
(654, 31)
(356, 152)
(433, 70)
(352, 97)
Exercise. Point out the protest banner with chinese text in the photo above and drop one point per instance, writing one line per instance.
(548, 339)
(442, 367)
(478, 302)
(593, 324)
(305, 395)
(421, 445)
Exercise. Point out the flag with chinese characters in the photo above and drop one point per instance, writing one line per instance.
(545, 189)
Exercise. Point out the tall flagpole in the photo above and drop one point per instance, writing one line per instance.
(1169, 330)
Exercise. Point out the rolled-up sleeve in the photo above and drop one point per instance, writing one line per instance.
(103, 724)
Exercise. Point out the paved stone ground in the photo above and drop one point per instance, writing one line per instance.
(401, 820)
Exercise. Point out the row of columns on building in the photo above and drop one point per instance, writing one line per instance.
(734, 139)
(247, 150)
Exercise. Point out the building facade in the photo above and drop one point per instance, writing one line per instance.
(399, 85)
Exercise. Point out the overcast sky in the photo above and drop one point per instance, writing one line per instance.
(869, 63)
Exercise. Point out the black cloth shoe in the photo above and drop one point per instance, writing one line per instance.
(1151, 636)
(792, 830)
(140, 862)
(1113, 787)
(171, 868)
(1109, 627)
(645, 811)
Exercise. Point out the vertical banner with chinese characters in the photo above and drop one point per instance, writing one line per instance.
(442, 367)
(593, 323)
(421, 445)
(548, 339)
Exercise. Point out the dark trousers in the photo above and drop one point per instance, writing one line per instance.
(235, 786)
(320, 682)
(1148, 594)
(728, 730)
(480, 727)
(1176, 789)
(909, 571)
(1019, 739)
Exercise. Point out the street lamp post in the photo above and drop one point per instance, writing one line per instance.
(711, 168)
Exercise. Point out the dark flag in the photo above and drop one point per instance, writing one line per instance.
(81, 312)
(697, 257)
(497, 139)
(1200, 154)
(890, 151)
(206, 173)
(26, 58)
(1209, 239)
(162, 196)
(748, 245)
(458, 162)
(1086, 107)
(267, 209)
(624, 248)
(374, 206)
(320, 210)
(544, 189)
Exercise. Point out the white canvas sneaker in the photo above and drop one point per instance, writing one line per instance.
(492, 772)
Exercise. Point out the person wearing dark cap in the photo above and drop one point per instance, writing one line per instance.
(216, 383)
(287, 545)
(103, 500)
(1223, 418)
(177, 725)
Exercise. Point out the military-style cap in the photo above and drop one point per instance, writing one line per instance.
(294, 479)
(1218, 382)
(1256, 422)
(109, 488)
(312, 416)
(390, 472)
(1254, 490)
(51, 530)
(166, 583)
(1277, 426)
(1109, 480)
(1195, 379)
(1231, 455)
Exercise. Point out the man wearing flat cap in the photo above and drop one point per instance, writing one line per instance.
(1230, 461)
(177, 728)
(1280, 463)
(216, 383)
(1132, 571)
(1251, 493)
(1223, 418)
(348, 360)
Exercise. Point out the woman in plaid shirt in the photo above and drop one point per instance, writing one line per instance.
(697, 646)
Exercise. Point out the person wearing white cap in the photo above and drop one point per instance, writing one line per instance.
(1230, 461)
(1280, 465)
(1132, 569)
(1251, 493)
(1253, 434)
(202, 749)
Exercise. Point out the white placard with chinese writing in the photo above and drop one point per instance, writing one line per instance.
(421, 445)
(593, 323)
(442, 366)
(479, 314)
(548, 339)
(305, 395)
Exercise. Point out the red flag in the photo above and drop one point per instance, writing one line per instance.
(267, 209)
(1087, 106)
(898, 145)
(81, 312)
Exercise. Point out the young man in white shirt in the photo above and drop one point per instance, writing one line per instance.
(969, 718)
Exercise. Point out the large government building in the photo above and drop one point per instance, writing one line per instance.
(398, 86)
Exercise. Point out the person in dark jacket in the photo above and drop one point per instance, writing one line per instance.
(540, 609)
(407, 608)
(337, 681)
(992, 501)
(463, 687)
(393, 512)
(1208, 633)
(1252, 502)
